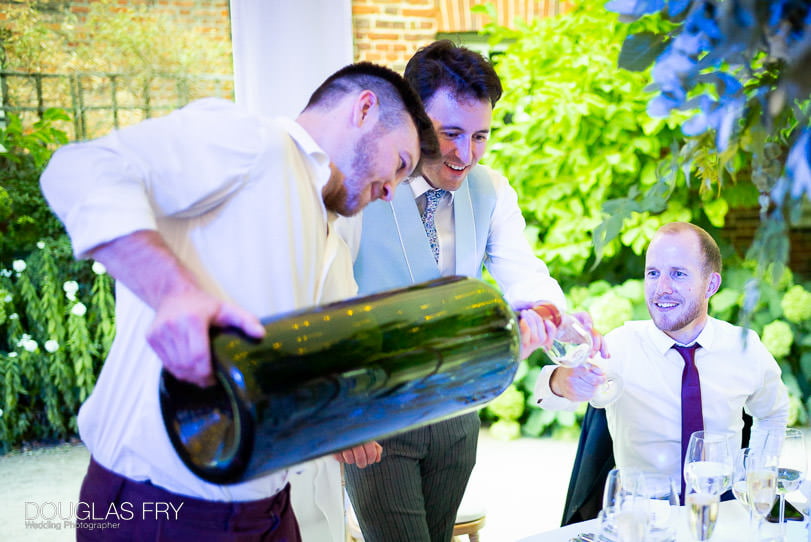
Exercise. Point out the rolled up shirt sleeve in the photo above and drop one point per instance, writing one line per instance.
(510, 258)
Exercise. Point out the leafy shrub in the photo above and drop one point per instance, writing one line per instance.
(24, 215)
(54, 333)
(571, 132)
(56, 314)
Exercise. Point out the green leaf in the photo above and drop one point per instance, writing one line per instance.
(725, 300)
(640, 50)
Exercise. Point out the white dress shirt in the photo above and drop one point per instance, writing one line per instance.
(238, 199)
(645, 422)
(509, 257)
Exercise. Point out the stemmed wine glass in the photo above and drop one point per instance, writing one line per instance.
(761, 483)
(625, 513)
(708, 473)
(708, 463)
(791, 467)
(739, 487)
(662, 493)
(571, 348)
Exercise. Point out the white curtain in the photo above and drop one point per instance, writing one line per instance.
(283, 49)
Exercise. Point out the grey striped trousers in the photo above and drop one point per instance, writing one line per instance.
(413, 494)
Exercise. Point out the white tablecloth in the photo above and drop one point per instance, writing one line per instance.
(732, 526)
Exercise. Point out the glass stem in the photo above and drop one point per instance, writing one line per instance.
(782, 517)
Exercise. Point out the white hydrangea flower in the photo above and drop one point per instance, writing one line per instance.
(51, 346)
(18, 266)
(5, 272)
(71, 287)
(41, 245)
(30, 345)
(13, 316)
(78, 309)
(98, 268)
(8, 298)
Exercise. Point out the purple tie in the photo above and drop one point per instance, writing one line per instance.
(692, 419)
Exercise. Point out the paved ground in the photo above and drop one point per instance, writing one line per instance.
(522, 485)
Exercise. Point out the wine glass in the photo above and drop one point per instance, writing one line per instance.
(739, 488)
(625, 513)
(761, 484)
(662, 493)
(791, 467)
(708, 463)
(702, 514)
(571, 348)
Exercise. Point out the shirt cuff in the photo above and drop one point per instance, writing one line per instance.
(545, 398)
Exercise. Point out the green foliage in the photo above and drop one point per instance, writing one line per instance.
(509, 405)
(777, 338)
(739, 69)
(796, 304)
(54, 334)
(24, 214)
(571, 133)
(56, 314)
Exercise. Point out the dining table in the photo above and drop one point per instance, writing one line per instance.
(732, 525)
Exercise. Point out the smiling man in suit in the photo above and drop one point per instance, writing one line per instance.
(453, 219)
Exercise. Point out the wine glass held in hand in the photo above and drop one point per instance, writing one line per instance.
(573, 346)
(708, 463)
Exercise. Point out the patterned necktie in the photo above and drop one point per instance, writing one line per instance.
(432, 198)
(692, 418)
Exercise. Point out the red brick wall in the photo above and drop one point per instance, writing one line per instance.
(389, 31)
(210, 17)
(741, 225)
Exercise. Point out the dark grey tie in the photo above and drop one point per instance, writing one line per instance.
(432, 198)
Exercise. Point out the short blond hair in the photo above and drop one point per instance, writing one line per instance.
(709, 248)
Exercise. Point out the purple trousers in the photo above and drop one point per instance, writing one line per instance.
(114, 508)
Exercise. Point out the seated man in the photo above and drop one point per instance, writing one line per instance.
(651, 423)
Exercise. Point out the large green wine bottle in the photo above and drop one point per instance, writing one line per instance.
(331, 377)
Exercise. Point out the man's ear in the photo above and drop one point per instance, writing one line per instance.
(365, 108)
(713, 285)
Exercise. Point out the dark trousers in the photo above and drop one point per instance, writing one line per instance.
(413, 494)
(114, 508)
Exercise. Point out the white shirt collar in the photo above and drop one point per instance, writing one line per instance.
(663, 342)
(307, 144)
(420, 186)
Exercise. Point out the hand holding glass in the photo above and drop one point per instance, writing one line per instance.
(572, 347)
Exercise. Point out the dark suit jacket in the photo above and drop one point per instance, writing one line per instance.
(594, 458)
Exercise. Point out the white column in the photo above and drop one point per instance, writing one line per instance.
(283, 49)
